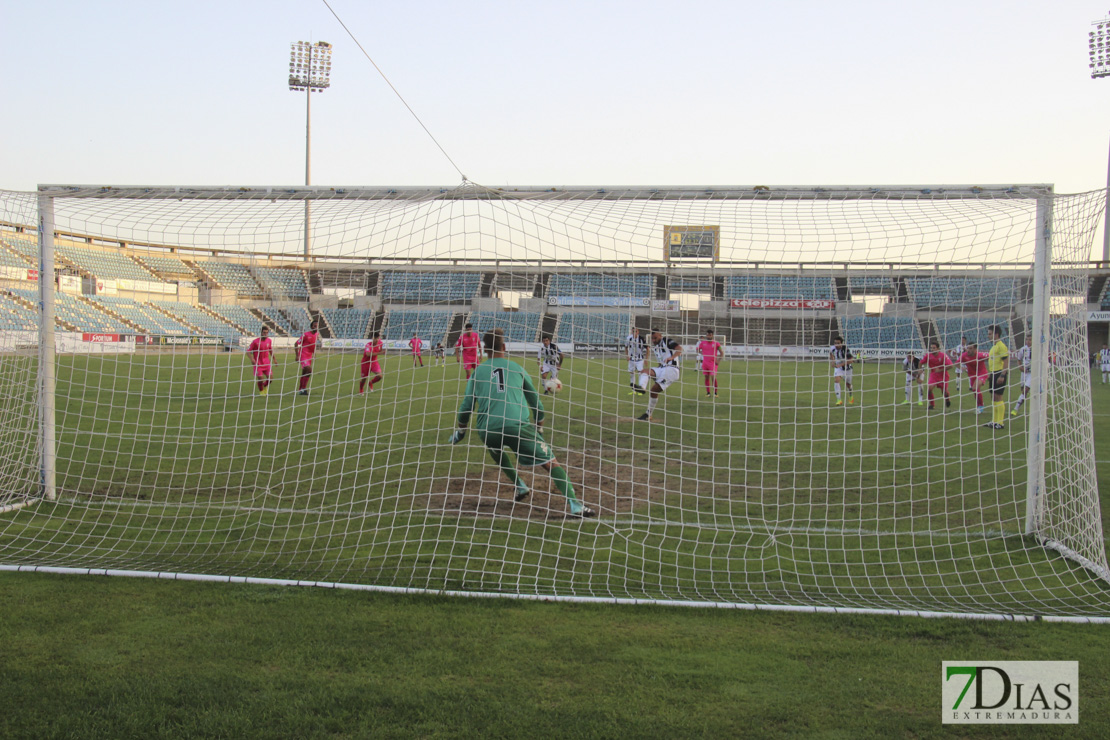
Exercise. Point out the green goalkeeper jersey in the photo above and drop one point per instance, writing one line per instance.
(501, 395)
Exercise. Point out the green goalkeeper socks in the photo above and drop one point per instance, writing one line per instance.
(508, 469)
(559, 475)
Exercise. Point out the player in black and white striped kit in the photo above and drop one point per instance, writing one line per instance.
(550, 359)
(1104, 362)
(636, 348)
(1024, 357)
(667, 353)
(911, 366)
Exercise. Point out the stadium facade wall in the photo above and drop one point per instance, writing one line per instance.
(318, 302)
(367, 302)
(486, 304)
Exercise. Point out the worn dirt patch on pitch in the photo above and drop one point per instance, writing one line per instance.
(606, 486)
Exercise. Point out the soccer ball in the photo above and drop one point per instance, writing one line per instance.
(553, 385)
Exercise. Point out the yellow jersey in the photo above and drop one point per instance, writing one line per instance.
(998, 354)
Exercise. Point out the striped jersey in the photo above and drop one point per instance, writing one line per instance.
(840, 355)
(549, 354)
(1024, 355)
(664, 351)
(1104, 356)
(637, 347)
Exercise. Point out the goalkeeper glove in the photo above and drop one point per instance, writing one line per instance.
(457, 436)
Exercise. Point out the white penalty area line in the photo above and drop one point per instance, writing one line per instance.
(553, 598)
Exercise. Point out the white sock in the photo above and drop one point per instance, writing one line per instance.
(644, 381)
(651, 405)
(836, 387)
(1020, 401)
(920, 393)
(908, 384)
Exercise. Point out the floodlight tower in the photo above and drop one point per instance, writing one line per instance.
(1098, 51)
(309, 70)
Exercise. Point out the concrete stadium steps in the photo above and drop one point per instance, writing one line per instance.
(454, 329)
(179, 319)
(216, 315)
(275, 328)
(1097, 288)
(115, 315)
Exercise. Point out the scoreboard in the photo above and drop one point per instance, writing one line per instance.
(686, 243)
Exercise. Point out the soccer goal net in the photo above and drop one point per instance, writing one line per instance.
(857, 399)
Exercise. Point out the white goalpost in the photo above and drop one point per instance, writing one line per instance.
(926, 467)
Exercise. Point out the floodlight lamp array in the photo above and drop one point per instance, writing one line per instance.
(1098, 48)
(310, 66)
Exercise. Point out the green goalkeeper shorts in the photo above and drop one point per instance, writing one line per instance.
(525, 441)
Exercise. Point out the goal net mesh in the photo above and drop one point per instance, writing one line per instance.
(760, 479)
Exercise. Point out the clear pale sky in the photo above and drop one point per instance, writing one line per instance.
(567, 93)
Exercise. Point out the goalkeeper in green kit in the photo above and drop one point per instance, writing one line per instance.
(503, 400)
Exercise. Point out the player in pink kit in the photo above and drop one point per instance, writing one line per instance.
(938, 363)
(370, 363)
(709, 349)
(305, 348)
(976, 363)
(471, 345)
(261, 352)
(416, 344)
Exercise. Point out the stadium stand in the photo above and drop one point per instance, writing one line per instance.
(282, 282)
(592, 328)
(203, 321)
(587, 286)
(15, 316)
(349, 323)
(105, 265)
(870, 284)
(293, 320)
(428, 325)
(429, 287)
(779, 286)
(86, 317)
(949, 330)
(881, 332)
(238, 316)
(11, 259)
(28, 250)
(960, 292)
(167, 267)
(146, 318)
(519, 326)
(231, 276)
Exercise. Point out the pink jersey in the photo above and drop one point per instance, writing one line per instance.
(937, 362)
(471, 345)
(417, 344)
(707, 348)
(976, 364)
(372, 350)
(306, 345)
(260, 351)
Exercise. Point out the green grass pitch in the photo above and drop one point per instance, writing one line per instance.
(91, 657)
(766, 494)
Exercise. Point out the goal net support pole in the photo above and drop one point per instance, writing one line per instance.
(1041, 329)
(47, 367)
